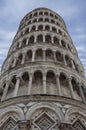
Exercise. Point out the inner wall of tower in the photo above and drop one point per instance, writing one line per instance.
(42, 81)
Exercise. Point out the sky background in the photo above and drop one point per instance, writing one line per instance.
(72, 11)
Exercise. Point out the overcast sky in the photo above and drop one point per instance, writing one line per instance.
(72, 11)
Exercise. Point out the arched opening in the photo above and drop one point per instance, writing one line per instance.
(63, 44)
(35, 20)
(64, 85)
(31, 39)
(30, 16)
(54, 29)
(56, 17)
(46, 20)
(69, 47)
(48, 38)
(39, 38)
(52, 21)
(68, 61)
(40, 20)
(40, 27)
(29, 22)
(77, 68)
(27, 31)
(76, 89)
(23, 84)
(51, 83)
(33, 28)
(18, 45)
(56, 40)
(19, 59)
(60, 32)
(37, 83)
(40, 13)
(39, 55)
(46, 13)
(28, 56)
(35, 14)
(47, 28)
(59, 56)
(51, 14)
(11, 87)
(49, 55)
(24, 42)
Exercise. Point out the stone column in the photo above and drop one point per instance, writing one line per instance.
(30, 83)
(27, 41)
(44, 83)
(60, 42)
(81, 93)
(44, 56)
(14, 63)
(33, 56)
(5, 91)
(16, 87)
(52, 39)
(54, 56)
(23, 59)
(64, 59)
(20, 45)
(71, 87)
(44, 38)
(72, 64)
(35, 39)
(58, 85)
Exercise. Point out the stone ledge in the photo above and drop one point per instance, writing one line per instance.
(42, 98)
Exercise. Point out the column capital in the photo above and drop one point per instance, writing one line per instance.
(18, 77)
(57, 75)
(79, 84)
(8, 81)
(69, 78)
(31, 74)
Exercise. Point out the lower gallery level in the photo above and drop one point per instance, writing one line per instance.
(41, 112)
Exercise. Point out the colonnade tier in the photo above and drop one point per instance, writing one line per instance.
(39, 82)
(49, 54)
(43, 12)
(54, 34)
(46, 35)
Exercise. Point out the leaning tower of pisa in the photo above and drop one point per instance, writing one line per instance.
(42, 81)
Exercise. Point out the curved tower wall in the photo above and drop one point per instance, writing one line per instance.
(42, 82)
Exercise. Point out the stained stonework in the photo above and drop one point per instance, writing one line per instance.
(42, 81)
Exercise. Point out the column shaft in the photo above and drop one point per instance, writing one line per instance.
(30, 84)
(81, 93)
(58, 86)
(44, 84)
(33, 56)
(5, 91)
(16, 87)
(44, 56)
(64, 59)
(23, 59)
(72, 64)
(71, 88)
